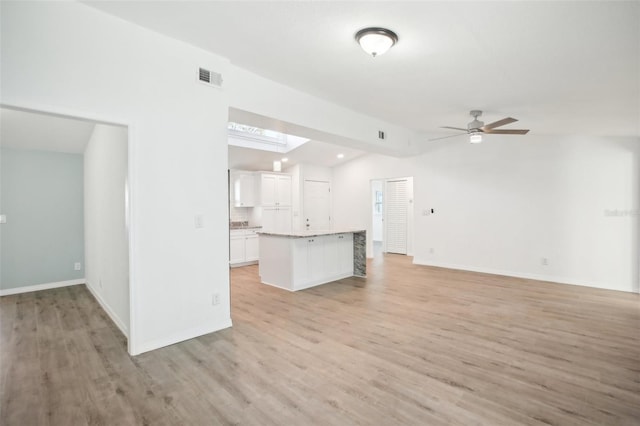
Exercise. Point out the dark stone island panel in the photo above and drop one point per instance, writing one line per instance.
(360, 254)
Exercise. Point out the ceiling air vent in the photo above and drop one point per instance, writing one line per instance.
(209, 78)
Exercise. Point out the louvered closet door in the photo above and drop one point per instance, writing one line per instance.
(395, 217)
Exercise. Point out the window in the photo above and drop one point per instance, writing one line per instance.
(377, 208)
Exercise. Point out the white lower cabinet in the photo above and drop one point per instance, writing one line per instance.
(236, 249)
(251, 248)
(338, 254)
(345, 254)
(243, 246)
(309, 263)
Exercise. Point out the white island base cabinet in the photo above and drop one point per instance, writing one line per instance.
(296, 261)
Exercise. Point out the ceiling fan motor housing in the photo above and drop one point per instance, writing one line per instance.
(476, 124)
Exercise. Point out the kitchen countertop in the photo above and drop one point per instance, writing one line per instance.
(313, 233)
(235, 228)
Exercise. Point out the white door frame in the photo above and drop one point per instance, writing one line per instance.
(377, 184)
(410, 214)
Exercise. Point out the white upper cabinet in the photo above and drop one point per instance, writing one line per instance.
(276, 219)
(242, 188)
(268, 190)
(275, 189)
(284, 190)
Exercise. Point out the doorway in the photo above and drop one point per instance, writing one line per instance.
(396, 208)
(377, 219)
(392, 216)
(93, 220)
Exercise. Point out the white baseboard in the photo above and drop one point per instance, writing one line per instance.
(105, 306)
(537, 277)
(240, 264)
(277, 286)
(180, 337)
(39, 287)
(314, 283)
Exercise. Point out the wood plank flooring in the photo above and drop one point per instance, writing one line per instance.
(409, 345)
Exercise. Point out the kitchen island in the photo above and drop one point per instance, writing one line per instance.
(298, 260)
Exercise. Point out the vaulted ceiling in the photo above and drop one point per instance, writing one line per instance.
(559, 67)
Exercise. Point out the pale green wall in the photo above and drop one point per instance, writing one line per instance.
(41, 193)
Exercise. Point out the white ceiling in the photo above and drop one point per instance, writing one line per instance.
(560, 67)
(313, 152)
(44, 132)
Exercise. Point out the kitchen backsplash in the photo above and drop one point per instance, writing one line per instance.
(244, 214)
(238, 214)
(238, 223)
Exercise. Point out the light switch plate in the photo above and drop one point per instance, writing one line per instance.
(199, 221)
(3, 218)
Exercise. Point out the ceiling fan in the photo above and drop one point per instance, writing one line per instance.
(476, 128)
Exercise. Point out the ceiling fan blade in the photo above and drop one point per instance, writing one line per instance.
(445, 137)
(498, 123)
(507, 132)
(454, 128)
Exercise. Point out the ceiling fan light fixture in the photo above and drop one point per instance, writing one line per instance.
(375, 40)
(475, 138)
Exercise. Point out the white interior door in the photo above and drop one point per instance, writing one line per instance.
(396, 207)
(316, 205)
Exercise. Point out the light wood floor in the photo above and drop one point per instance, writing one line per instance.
(409, 345)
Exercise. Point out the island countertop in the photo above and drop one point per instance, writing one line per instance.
(311, 233)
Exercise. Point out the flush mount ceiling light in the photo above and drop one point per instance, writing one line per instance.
(340, 156)
(376, 41)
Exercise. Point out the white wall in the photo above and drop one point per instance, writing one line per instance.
(352, 192)
(42, 200)
(68, 58)
(301, 114)
(106, 240)
(503, 205)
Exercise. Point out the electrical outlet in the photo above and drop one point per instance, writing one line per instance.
(432, 250)
(215, 300)
(77, 266)
(544, 261)
(100, 283)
